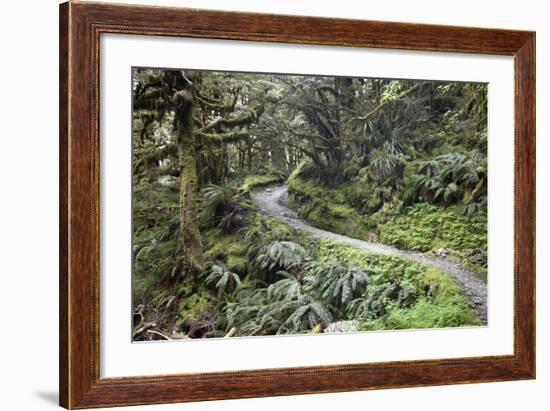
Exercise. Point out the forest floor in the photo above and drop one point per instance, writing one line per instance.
(272, 201)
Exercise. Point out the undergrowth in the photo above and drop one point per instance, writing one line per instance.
(404, 294)
(327, 208)
(419, 227)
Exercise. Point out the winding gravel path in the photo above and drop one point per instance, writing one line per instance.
(272, 201)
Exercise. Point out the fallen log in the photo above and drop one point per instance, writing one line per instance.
(155, 332)
(143, 328)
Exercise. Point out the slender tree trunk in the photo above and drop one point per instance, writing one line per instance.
(190, 240)
(240, 155)
(249, 155)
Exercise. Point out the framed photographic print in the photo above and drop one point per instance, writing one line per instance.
(257, 205)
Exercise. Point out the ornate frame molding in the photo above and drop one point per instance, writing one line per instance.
(81, 24)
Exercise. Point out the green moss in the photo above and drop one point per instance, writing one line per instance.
(263, 230)
(228, 248)
(327, 208)
(252, 182)
(309, 189)
(424, 314)
(481, 271)
(195, 305)
(426, 227)
(237, 264)
(427, 314)
(145, 288)
(372, 325)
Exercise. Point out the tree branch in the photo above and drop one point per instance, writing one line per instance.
(155, 332)
(244, 118)
(143, 328)
(222, 138)
(382, 104)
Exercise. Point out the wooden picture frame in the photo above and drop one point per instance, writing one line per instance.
(80, 27)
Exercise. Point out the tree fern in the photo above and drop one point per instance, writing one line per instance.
(286, 289)
(218, 207)
(305, 314)
(336, 283)
(283, 254)
(448, 177)
(223, 278)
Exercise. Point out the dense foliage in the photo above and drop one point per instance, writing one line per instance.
(393, 161)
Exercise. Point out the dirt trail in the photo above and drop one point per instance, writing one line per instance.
(272, 201)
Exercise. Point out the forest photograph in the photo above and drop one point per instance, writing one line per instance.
(275, 204)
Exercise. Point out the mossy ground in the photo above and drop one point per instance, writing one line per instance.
(195, 305)
(229, 249)
(252, 182)
(425, 228)
(327, 208)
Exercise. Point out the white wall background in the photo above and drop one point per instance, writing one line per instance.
(29, 191)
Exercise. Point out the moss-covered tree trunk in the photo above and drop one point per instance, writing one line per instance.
(190, 239)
